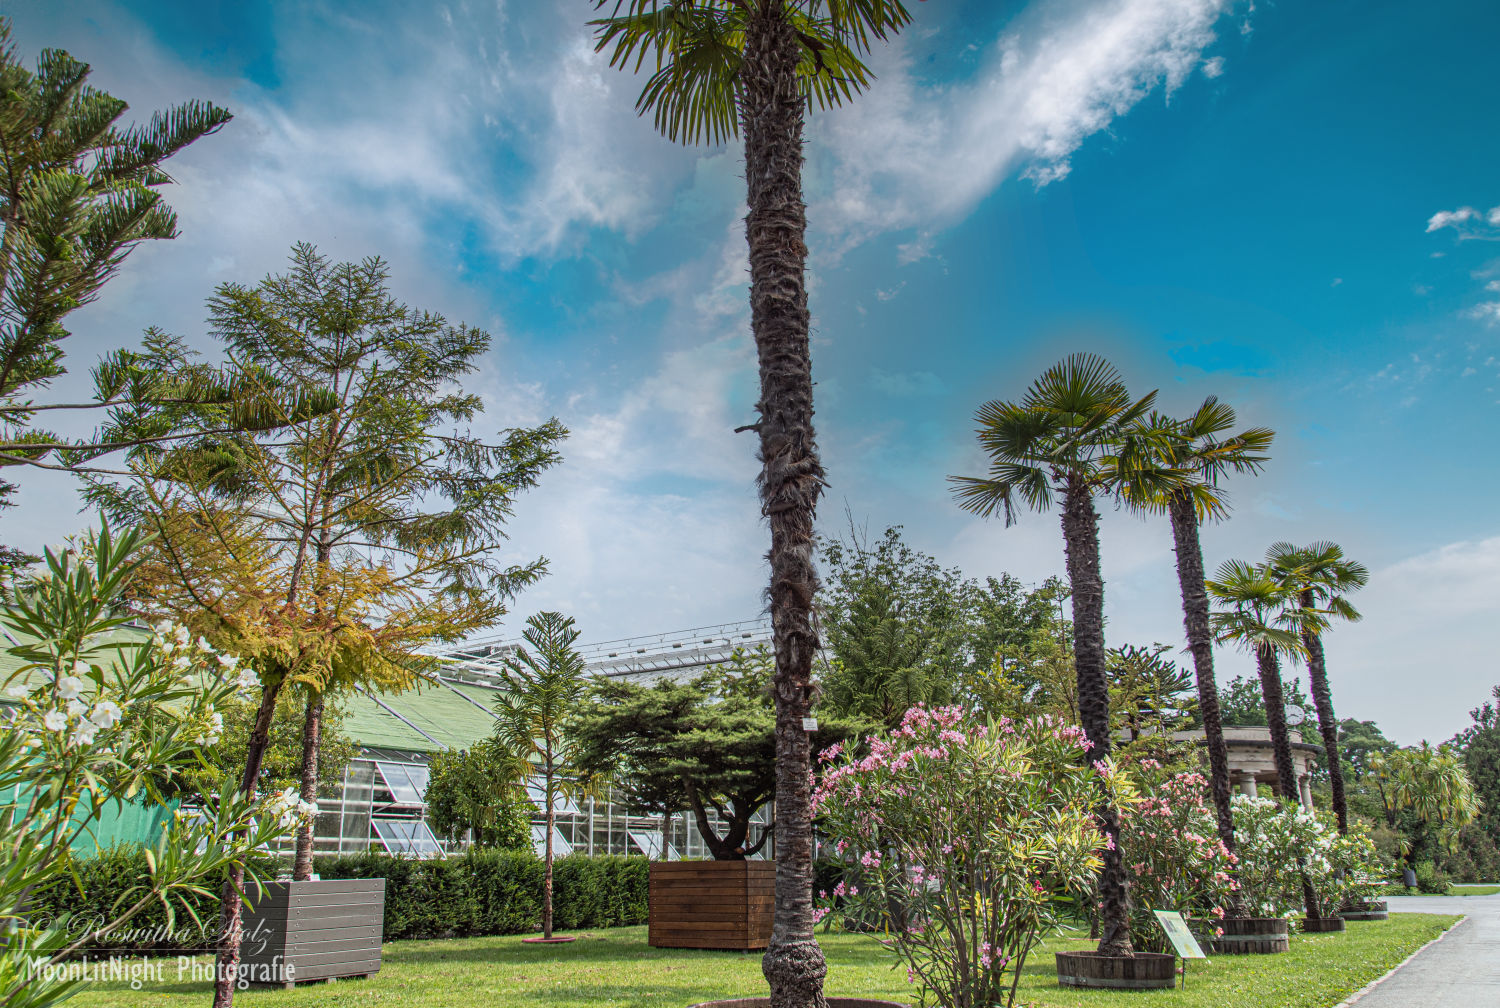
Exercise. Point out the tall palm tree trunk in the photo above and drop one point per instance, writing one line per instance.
(1080, 524)
(1328, 726)
(1269, 669)
(1189, 550)
(312, 732)
(231, 911)
(771, 111)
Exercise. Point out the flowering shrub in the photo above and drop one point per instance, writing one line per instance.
(94, 719)
(1271, 836)
(967, 836)
(1176, 859)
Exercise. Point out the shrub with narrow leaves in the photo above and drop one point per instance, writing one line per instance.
(968, 838)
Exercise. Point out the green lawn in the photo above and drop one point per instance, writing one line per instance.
(616, 968)
(1474, 889)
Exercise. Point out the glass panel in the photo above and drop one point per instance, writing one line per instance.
(560, 845)
(399, 781)
(406, 836)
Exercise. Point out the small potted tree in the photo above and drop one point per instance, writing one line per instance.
(708, 746)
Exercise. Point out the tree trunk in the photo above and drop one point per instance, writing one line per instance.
(666, 835)
(1189, 551)
(1328, 726)
(312, 731)
(231, 911)
(1269, 669)
(1080, 524)
(547, 864)
(791, 479)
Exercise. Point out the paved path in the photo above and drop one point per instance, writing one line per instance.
(1462, 970)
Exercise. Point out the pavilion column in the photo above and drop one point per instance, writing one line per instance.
(1245, 781)
(1304, 791)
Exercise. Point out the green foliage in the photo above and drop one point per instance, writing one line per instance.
(283, 760)
(1148, 694)
(489, 892)
(1431, 881)
(472, 794)
(96, 718)
(900, 629)
(1480, 745)
(80, 192)
(697, 50)
(1242, 705)
(706, 744)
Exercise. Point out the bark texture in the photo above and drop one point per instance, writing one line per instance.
(231, 910)
(1080, 524)
(312, 733)
(1189, 548)
(547, 867)
(1328, 725)
(1269, 669)
(791, 479)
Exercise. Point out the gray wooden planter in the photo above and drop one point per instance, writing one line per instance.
(323, 930)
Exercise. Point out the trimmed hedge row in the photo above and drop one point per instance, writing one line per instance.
(477, 893)
(498, 892)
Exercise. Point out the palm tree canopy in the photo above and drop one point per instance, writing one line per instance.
(1323, 570)
(1192, 456)
(1074, 422)
(1255, 609)
(696, 51)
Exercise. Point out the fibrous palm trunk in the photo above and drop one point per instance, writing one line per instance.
(231, 918)
(1189, 550)
(791, 479)
(1080, 523)
(312, 733)
(1269, 669)
(1328, 726)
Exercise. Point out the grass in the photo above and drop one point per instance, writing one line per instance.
(616, 968)
(1474, 889)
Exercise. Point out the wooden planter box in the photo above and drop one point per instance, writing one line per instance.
(1367, 910)
(711, 904)
(1243, 935)
(299, 931)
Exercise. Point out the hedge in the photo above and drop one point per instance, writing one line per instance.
(477, 893)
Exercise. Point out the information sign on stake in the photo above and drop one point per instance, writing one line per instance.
(1181, 937)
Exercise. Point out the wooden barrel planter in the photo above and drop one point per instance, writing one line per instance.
(1142, 971)
(711, 904)
(1368, 910)
(320, 930)
(1248, 936)
(1322, 925)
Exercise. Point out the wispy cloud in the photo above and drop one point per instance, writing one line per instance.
(911, 154)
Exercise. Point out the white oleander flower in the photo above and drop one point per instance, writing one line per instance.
(204, 645)
(228, 660)
(247, 679)
(182, 635)
(55, 720)
(163, 627)
(83, 734)
(15, 690)
(81, 668)
(69, 687)
(106, 714)
(75, 708)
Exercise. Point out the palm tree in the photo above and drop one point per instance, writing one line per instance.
(1434, 786)
(1196, 450)
(720, 67)
(543, 687)
(1254, 615)
(1063, 442)
(1319, 576)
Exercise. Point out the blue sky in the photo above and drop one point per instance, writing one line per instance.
(1287, 205)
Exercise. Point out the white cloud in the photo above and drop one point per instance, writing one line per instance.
(1467, 221)
(911, 154)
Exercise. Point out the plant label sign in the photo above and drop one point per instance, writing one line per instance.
(1178, 934)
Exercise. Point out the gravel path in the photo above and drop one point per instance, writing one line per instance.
(1462, 970)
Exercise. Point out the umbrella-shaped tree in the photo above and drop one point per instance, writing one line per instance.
(1318, 577)
(721, 69)
(544, 685)
(1063, 443)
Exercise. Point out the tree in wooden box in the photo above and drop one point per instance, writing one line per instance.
(315, 930)
(706, 744)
